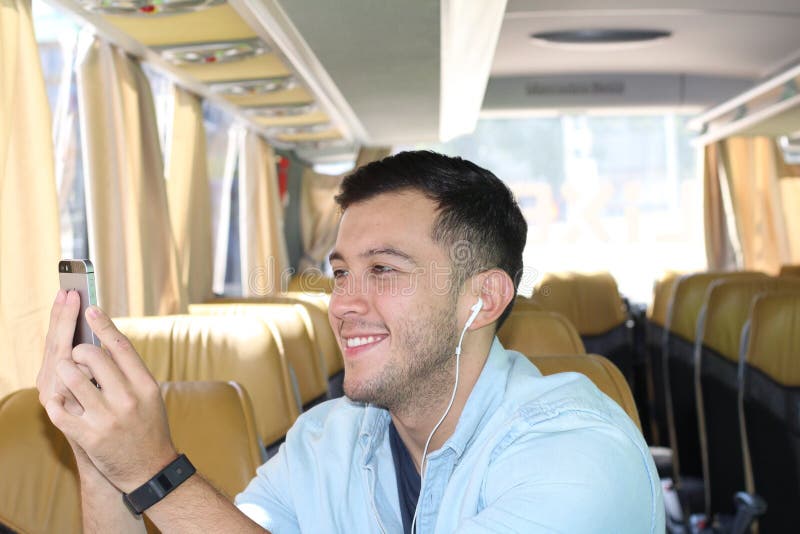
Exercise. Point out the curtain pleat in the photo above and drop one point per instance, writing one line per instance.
(264, 259)
(319, 213)
(319, 217)
(752, 167)
(130, 236)
(29, 227)
(719, 250)
(189, 196)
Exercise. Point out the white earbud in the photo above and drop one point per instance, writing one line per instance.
(475, 309)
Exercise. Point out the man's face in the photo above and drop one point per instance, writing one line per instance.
(393, 310)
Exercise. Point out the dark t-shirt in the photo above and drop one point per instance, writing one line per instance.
(408, 480)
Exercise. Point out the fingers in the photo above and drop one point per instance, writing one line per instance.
(58, 343)
(80, 386)
(100, 366)
(68, 316)
(61, 418)
(118, 346)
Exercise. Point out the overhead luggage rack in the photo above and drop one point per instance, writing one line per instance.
(771, 108)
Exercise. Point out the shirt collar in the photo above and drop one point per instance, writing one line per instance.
(486, 396)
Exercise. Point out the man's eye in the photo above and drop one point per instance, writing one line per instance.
(338, 273)
(382, 269)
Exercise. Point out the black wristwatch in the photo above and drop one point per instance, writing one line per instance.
(159, 486)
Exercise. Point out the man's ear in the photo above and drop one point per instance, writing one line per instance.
(496, 289)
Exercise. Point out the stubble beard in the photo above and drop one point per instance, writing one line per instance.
(425, 377)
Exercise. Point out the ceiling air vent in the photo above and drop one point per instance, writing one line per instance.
(599, 39)
(219, 52)
(285, 110)
(254, 87)
(147, 7)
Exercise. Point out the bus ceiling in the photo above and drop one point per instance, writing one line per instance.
(325, 77)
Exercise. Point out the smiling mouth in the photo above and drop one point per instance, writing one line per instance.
(362, 341)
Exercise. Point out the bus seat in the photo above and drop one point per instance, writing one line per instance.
(537, 332)
(241, 349)
(769, 400)
(317, 307)
(654, 333)
(525, 303)
(593, 304)
(678, 349)
(310, 283)
(297, 336)
(790, 270)
(212, 422)
(40, 490)
(600, 370)
(717, 359)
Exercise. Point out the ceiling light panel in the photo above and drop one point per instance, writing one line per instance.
(282, 110)
(146, 7)
(214, 24)
(217, 52)
(254, 87)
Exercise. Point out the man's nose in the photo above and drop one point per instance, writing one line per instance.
(350, 297)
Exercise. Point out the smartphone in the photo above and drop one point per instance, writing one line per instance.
(79, 275)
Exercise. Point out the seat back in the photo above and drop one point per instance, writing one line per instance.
(39, 486)
(310, 282)
(317, 307)
(593, 304)
(240, 349)
(525, 303)
(717, 360)
(790, 270)
(654, 334)
(296, 330)
(678, 352)
(769, 401)
(537, 332)
(601, 371)
(212, 422)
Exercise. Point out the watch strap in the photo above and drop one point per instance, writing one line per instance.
(158, 487)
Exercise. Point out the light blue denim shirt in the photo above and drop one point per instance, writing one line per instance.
(529, 454)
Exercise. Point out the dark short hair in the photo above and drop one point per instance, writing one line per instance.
(479, 219)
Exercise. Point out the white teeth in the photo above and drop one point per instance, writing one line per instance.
(358, 341)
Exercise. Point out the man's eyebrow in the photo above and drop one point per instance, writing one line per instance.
(390, 251)
(380, 251)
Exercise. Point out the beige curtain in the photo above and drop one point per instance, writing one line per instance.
(319, 214)
(262, 242)
(719, 250)
(753, 166)
(789, 192)
(130, 239)
(189, 195)
(319, 217)
(29, 233)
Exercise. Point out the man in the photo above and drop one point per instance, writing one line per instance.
(426, 259)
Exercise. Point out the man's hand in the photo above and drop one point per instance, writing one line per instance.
(57, 348)
(123, 424)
